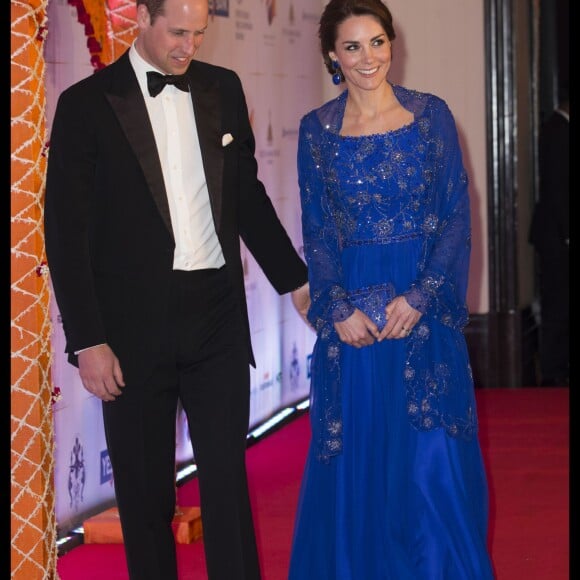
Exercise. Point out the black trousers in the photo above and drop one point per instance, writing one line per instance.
(203, 364)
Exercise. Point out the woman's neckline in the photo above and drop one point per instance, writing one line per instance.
(343, 101)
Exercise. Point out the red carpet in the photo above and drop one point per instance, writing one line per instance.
(525, 439)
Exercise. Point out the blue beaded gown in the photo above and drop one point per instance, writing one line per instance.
(394, 486)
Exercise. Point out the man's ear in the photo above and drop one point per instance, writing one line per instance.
(143, 17)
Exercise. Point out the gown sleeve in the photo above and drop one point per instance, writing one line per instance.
(329, 301)
(320, 235)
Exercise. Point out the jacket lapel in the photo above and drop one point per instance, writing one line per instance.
(127, 101)
(208, 119)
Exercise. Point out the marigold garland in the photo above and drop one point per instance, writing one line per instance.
(93, 15)
(33, 551)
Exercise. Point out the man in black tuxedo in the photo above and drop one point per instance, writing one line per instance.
(150, 187)
(550, 234)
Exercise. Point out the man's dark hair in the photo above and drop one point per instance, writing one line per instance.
(155, 7)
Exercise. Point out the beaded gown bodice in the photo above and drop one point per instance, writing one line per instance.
(380, 194)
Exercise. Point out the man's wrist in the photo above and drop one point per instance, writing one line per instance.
(77, 352)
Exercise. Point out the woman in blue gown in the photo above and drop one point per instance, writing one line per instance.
(394, 486)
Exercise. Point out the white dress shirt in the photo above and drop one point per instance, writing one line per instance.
(173, 120)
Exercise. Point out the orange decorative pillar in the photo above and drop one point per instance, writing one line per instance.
(110, 28)
(33, 528)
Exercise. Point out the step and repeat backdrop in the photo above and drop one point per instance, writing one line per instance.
(273, 45)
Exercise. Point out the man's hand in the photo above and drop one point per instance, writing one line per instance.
(301, 301)
(100, 372)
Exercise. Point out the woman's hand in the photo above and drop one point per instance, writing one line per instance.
(357, 330)
(401, 319)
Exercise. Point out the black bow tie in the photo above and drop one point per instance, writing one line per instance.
(156, 82)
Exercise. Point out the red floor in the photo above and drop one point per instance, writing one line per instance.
(524, 434)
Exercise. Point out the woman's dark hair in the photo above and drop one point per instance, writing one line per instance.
(337, 11)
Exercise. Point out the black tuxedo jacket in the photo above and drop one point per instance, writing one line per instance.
(108, 233)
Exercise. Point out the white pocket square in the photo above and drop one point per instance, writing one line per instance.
(227, 139)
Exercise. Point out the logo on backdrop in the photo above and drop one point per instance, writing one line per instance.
(76, 475)
(269, 153)
(291, 32)
(294, 369)
(270, 10)
(106, 468)
(243, 22)
(219, 7)
(310, 16)
(291, 133)
(270, 135)
(267, 382)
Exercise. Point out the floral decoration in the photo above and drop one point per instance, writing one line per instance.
(42, 268)
(56, 395)
(92, 14)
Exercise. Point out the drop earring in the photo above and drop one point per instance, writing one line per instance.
(337, 76)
